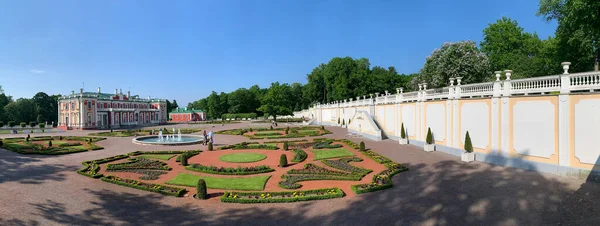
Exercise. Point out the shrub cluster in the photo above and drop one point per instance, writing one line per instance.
(239, 116)
(326, 145)
(381, 180)
(299, 155)
(139, 163)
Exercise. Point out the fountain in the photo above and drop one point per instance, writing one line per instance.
(167, 139)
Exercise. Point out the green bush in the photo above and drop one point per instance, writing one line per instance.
(11, 124)
(349, 121)
(402, 132)
(285, 145)
(468, 145)
(201, 189)
(1, 124)
(32, 124)
(42, 125)
(429, 138)
(338, 120)
(230, 170)
(49, 143)
(1, 143)
(184, 160)
(323, 127)
(282, 197)
(210, 146)
(23, 124)
(343, 122)
(299, 155)
(362, 146)
(283, 160)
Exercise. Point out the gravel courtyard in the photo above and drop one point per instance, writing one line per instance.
(437, 190)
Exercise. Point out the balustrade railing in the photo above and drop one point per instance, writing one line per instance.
(439, 93)
(584, 81)
(536, 85)
(479, 89)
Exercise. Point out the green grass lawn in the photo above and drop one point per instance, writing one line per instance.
(56, 142)
(161, 157)
(307, 131)
(242, 157)
(331, 153)
(230, 183)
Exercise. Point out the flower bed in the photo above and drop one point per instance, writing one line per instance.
(326, 144)
(382, 180)
(344, 164)
(139, 163)
(22, 146)
(291, 142)
(350, 143)
(162, 189)
(281, 197)
(91, 168)
(299, 155)
(314, 169)
(230, 170)
(291, 181)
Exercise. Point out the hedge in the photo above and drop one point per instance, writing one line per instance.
(229, 170)
(299, 155)
(161, 189)
(282, 197)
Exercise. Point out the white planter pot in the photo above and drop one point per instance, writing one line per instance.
(403, 141)
(467, 157)
(429, 147)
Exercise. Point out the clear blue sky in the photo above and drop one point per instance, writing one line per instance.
(185, 49)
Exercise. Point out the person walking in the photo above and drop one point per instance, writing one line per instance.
(205, 138)
(210, 136)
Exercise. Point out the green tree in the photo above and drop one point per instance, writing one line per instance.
(458, 59)
(283, 160)
(21, 110)
(4, 100)
(45, 106)
(201, 189)
(212, 105)
(578, 31)
(241, 101)
(509, 47)
(468, 145)
(277, 101)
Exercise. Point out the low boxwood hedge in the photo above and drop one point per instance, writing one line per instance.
(282, 197)
(382, 180)
(299, 155)
(161, 189)
(229, 170)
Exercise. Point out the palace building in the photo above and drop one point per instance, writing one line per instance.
(185, 115)
(96, 110)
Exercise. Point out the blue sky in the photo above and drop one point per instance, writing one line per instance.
(185, 49)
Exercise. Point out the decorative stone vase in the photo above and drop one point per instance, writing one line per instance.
(467, 157)
(429, 147)
(403, 141)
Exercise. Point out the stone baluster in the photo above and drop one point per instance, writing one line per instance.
(419, 94)
(565, 80)
(451, 89)
(457, 89)
(424, 95)
(497, 84)
(507, 86)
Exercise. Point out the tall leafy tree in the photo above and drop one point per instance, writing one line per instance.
(578, 31)
(458, 59)
(509, 47)
(212, 105)
(277, 101)
(20, 110)
(45, 107)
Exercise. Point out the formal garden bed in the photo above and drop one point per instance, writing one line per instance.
(244, 172)
(278, 133)
(50, 145)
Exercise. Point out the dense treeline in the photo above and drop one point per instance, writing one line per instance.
(339, 78)
(505, 46)
(40, 108)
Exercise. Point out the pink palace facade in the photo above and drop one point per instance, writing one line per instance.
(96, 110)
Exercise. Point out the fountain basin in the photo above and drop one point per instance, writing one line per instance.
(155, 140)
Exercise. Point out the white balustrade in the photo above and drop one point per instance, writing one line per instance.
(439, 93)
(479, 89)
(410, 96)
(584, 81)
(536, 85)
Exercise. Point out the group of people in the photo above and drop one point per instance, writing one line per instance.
(208, 137)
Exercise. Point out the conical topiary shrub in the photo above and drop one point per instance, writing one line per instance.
(349, 121)
(285, 145)
(468, 144)
(362, 146)
(338, 120)
(210, 146)
(201, 189)
(283, 160)
(184, 159)
(429, 138)
(402, 132)
(343, 122)
(49, 143)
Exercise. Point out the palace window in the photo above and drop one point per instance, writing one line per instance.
(89, 104)
(67, 106)
(89, 120)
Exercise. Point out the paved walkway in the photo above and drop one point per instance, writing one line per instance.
(437, 190)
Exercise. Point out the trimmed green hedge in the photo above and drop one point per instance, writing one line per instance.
(282, 197)
(92, 167)
(161, 189)
(230, 170)
(299, 155)
(382, 180)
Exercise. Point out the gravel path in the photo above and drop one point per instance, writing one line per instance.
(437, 190)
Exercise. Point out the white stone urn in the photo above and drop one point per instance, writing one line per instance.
(403, 141)
(467, 156)
(429, 147)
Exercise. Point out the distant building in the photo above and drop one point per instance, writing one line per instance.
(185, 115)
(96, 110)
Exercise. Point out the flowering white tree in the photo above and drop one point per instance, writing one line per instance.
(457, 59)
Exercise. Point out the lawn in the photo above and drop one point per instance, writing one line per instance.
(230, 183)
(242, 157)
(161, 157)
(267, 133)
(308, 131)
(331, 153)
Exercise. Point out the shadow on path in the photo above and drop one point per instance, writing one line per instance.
(29, 169)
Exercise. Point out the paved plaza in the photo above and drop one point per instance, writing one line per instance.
(437, 190)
